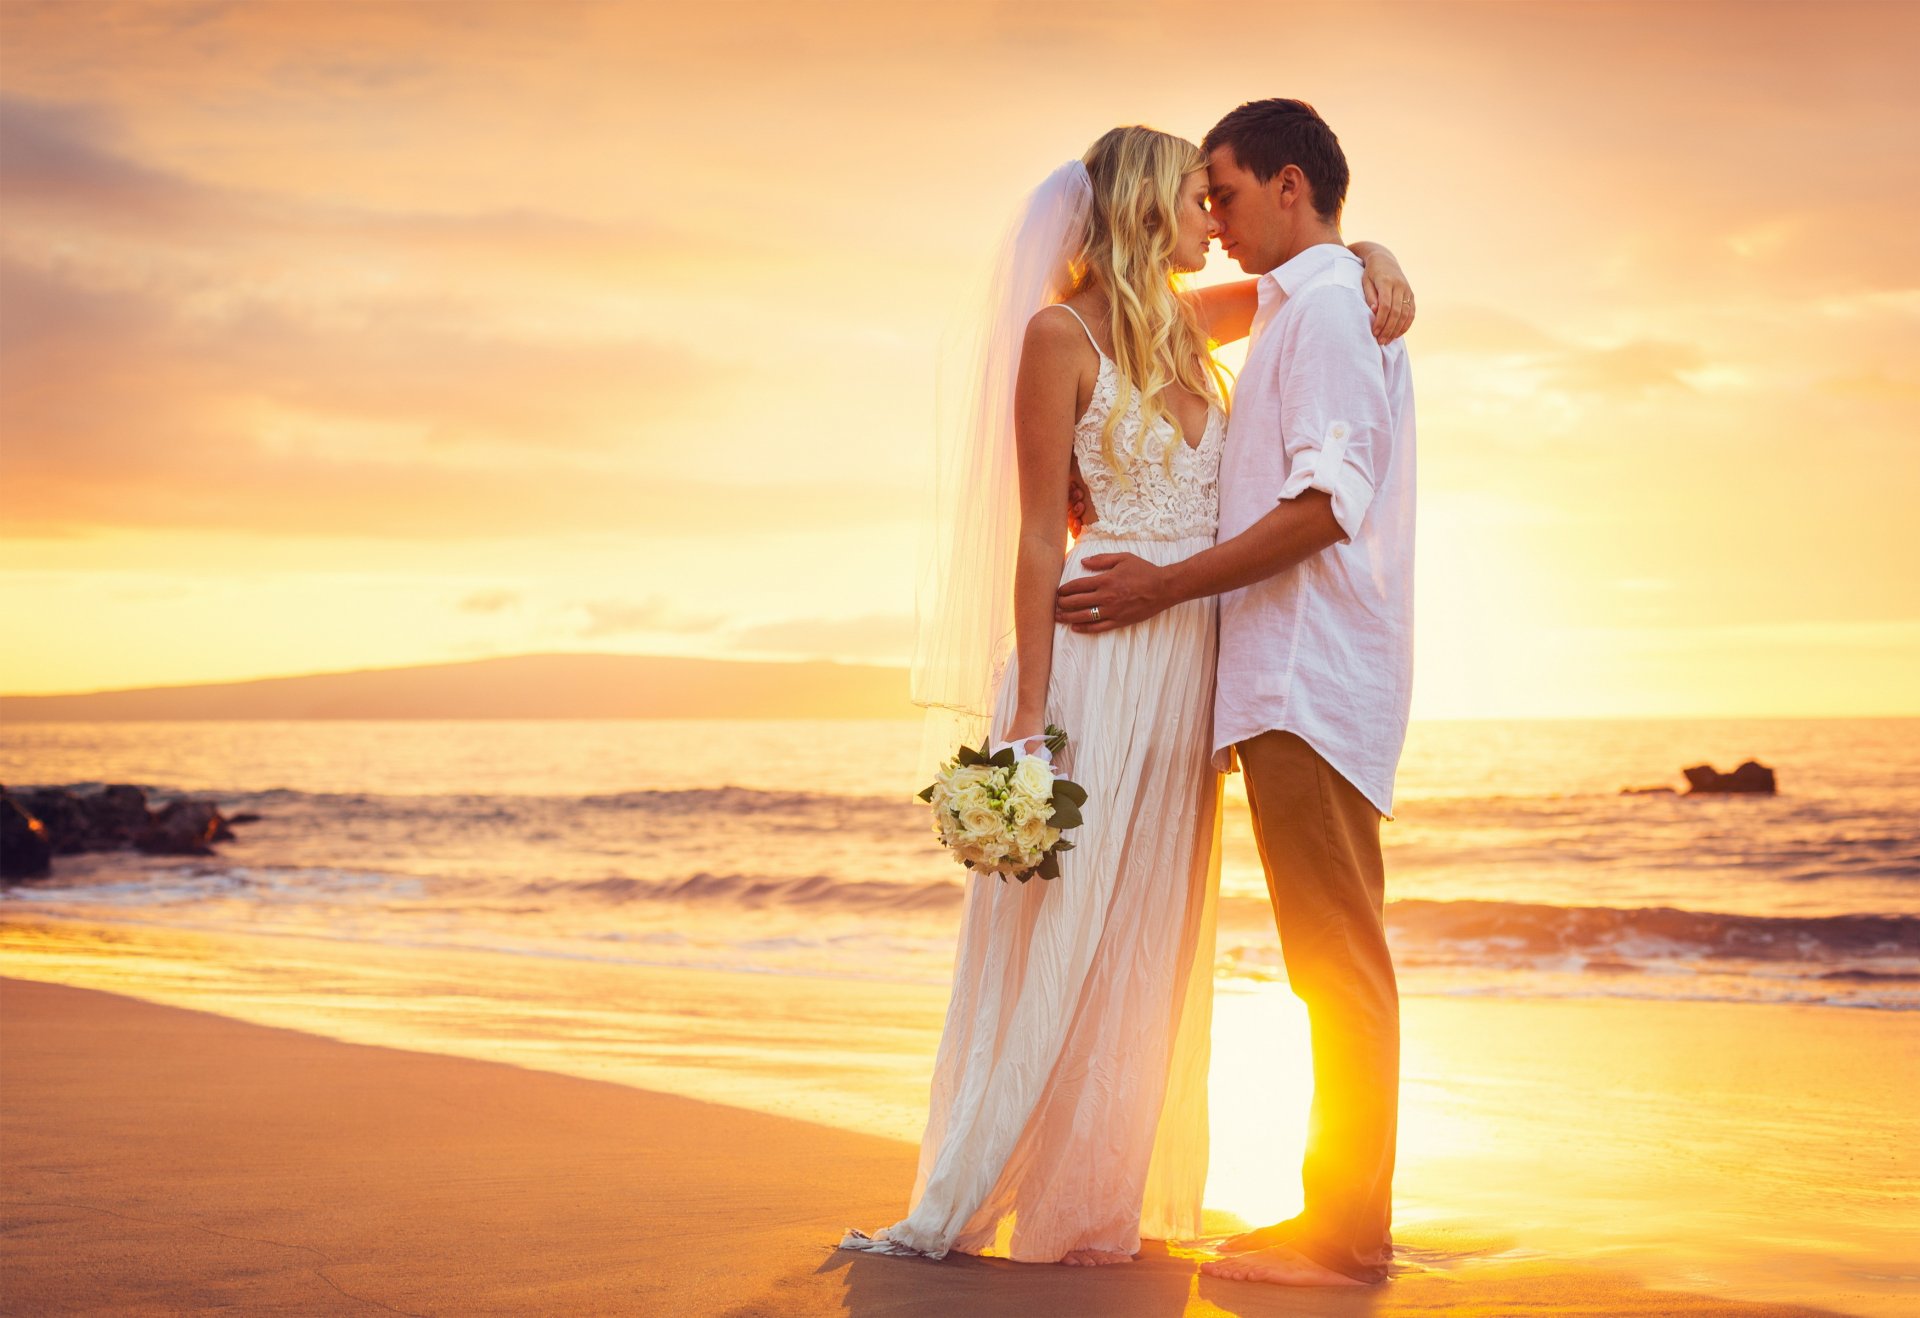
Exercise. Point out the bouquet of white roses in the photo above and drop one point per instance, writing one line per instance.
(1004, 813)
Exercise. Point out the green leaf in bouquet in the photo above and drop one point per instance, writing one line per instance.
(1003, 758)
(1049, 866)
(1056, 738)
(1065, 814)
(1072, 791)
(926, 794)
(967, 756)
(1062, 845)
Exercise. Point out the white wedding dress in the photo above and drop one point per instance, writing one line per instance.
(1069, 1104)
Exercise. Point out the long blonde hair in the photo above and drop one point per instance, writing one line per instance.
(1132, 232)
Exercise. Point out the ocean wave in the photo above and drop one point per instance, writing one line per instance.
(1640, 933)
(1677, 843)
(1523, 949)
(688, 801)
(107, 880)
(812, 891)
(737, 800)
(1534, 928)
(721, 799)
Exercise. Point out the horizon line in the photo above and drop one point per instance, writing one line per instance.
(822, 661)
(447, 663)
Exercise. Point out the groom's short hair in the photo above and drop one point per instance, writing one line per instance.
(1267, 136)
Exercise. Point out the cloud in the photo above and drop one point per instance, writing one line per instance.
(63, 160)
(1875, 386)
(489, 601)
(54, 157)
(176, 355)
(316, 497)
(615, 617)
(1481, 331)
(120, 414)
(1497, 337)
(218, 295)
(876, 636)
(1636, 367)
(125, 412)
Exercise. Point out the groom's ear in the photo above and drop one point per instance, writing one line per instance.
(1290, 187)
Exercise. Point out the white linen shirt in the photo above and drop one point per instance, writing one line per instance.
(1324, 649)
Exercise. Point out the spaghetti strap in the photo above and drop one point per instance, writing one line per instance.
(1083, 325)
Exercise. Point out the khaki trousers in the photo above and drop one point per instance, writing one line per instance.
(1319, 842)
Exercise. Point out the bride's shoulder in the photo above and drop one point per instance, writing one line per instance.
(1056, 320)
(1058, 333)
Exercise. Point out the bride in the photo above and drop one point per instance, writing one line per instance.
(1068, 1117)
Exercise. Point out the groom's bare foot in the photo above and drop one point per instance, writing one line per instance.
(1095, 1258)
(1266, 1237)
(1277, 1266)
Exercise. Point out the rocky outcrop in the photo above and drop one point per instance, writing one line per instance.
(45, 822)
(26, 852)
(181, 828)
(65, 817)
(1752, 776)
(116, 816)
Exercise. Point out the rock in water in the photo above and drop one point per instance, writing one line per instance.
(181, 828)
(116, 815)
(26, 852)
(65, 816)
(1752, 776)
(49, 821)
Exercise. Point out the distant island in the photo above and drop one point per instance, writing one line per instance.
(529, 686)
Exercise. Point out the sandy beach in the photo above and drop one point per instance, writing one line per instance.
(163, 1160)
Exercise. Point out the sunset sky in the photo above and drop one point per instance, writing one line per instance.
(341, 335)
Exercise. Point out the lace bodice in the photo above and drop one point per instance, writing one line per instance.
(1153, 505)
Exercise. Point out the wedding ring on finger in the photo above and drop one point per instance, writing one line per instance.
(1096, 613)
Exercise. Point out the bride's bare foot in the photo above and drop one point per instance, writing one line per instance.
(1278, 1266)
(1094, 1258)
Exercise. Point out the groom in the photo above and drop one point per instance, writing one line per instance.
(1314, 569)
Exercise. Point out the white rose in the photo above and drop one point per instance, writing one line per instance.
(961, 777)
(981, 821)
(973, 796)
(1032, 835)
(1033, 777)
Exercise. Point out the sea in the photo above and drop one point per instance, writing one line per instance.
(1516, 866)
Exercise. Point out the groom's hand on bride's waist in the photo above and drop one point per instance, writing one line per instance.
(1124, 589)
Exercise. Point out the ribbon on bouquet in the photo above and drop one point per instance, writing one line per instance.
(1043, 751)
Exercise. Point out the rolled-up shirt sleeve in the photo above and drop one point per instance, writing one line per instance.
(1335, 425)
